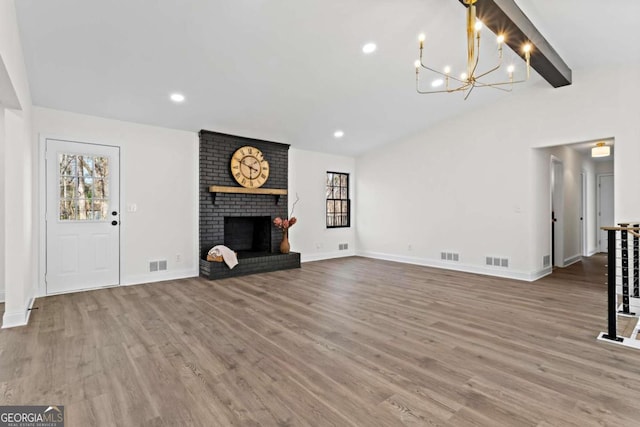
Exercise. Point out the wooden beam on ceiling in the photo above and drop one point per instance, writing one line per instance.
(505, 17)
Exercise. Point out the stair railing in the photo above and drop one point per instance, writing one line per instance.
(612, 310)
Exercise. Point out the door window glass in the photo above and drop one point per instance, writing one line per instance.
(84, 187)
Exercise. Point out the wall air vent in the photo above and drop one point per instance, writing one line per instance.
(497, 261)
(450, 256)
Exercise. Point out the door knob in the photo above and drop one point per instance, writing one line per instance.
(114, 213)
(114, 222)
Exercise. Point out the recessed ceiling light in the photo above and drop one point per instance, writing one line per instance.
(369, 48)
(338, 134)
(437, 83)
(177, 97)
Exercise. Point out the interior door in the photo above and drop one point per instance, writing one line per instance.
(82, 216)
(557, 213)
(605, 208)
(583, 214)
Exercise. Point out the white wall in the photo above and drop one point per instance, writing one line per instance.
(2, 203)
(474, 185)
(604, 167)
(307, 178)
(159, 174)
(18, 185)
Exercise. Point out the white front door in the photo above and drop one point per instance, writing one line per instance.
(605, 208)
(82, 216)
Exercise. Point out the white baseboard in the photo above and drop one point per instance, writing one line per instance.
(12, 319)
(326, 255)
(592, 252)
(139, 279)
(160, 276)
(572, 260)
(496, 272)
(536, 275)
(2, 296)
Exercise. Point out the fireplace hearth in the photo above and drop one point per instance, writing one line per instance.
(250, 263)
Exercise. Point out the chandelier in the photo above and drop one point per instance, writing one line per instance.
(472, 78)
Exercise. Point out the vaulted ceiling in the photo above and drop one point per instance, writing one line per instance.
(288, 71)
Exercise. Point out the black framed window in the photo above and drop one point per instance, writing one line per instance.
(338, 204)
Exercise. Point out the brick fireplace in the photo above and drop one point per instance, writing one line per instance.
(243, 222)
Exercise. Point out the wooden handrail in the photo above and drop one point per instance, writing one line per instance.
(634, 231)
(620, 228)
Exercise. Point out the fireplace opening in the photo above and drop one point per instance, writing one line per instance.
(247, 233)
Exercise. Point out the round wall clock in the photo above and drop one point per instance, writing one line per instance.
(249, 167)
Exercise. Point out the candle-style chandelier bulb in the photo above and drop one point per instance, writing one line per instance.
(475, 76)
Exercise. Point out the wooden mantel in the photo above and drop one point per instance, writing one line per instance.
(243, 190)
(214, 189)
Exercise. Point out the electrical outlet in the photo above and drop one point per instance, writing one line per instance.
(178, 258)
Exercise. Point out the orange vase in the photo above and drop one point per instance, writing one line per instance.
(284, 245)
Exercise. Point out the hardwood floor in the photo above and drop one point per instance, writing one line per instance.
(347, 342)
